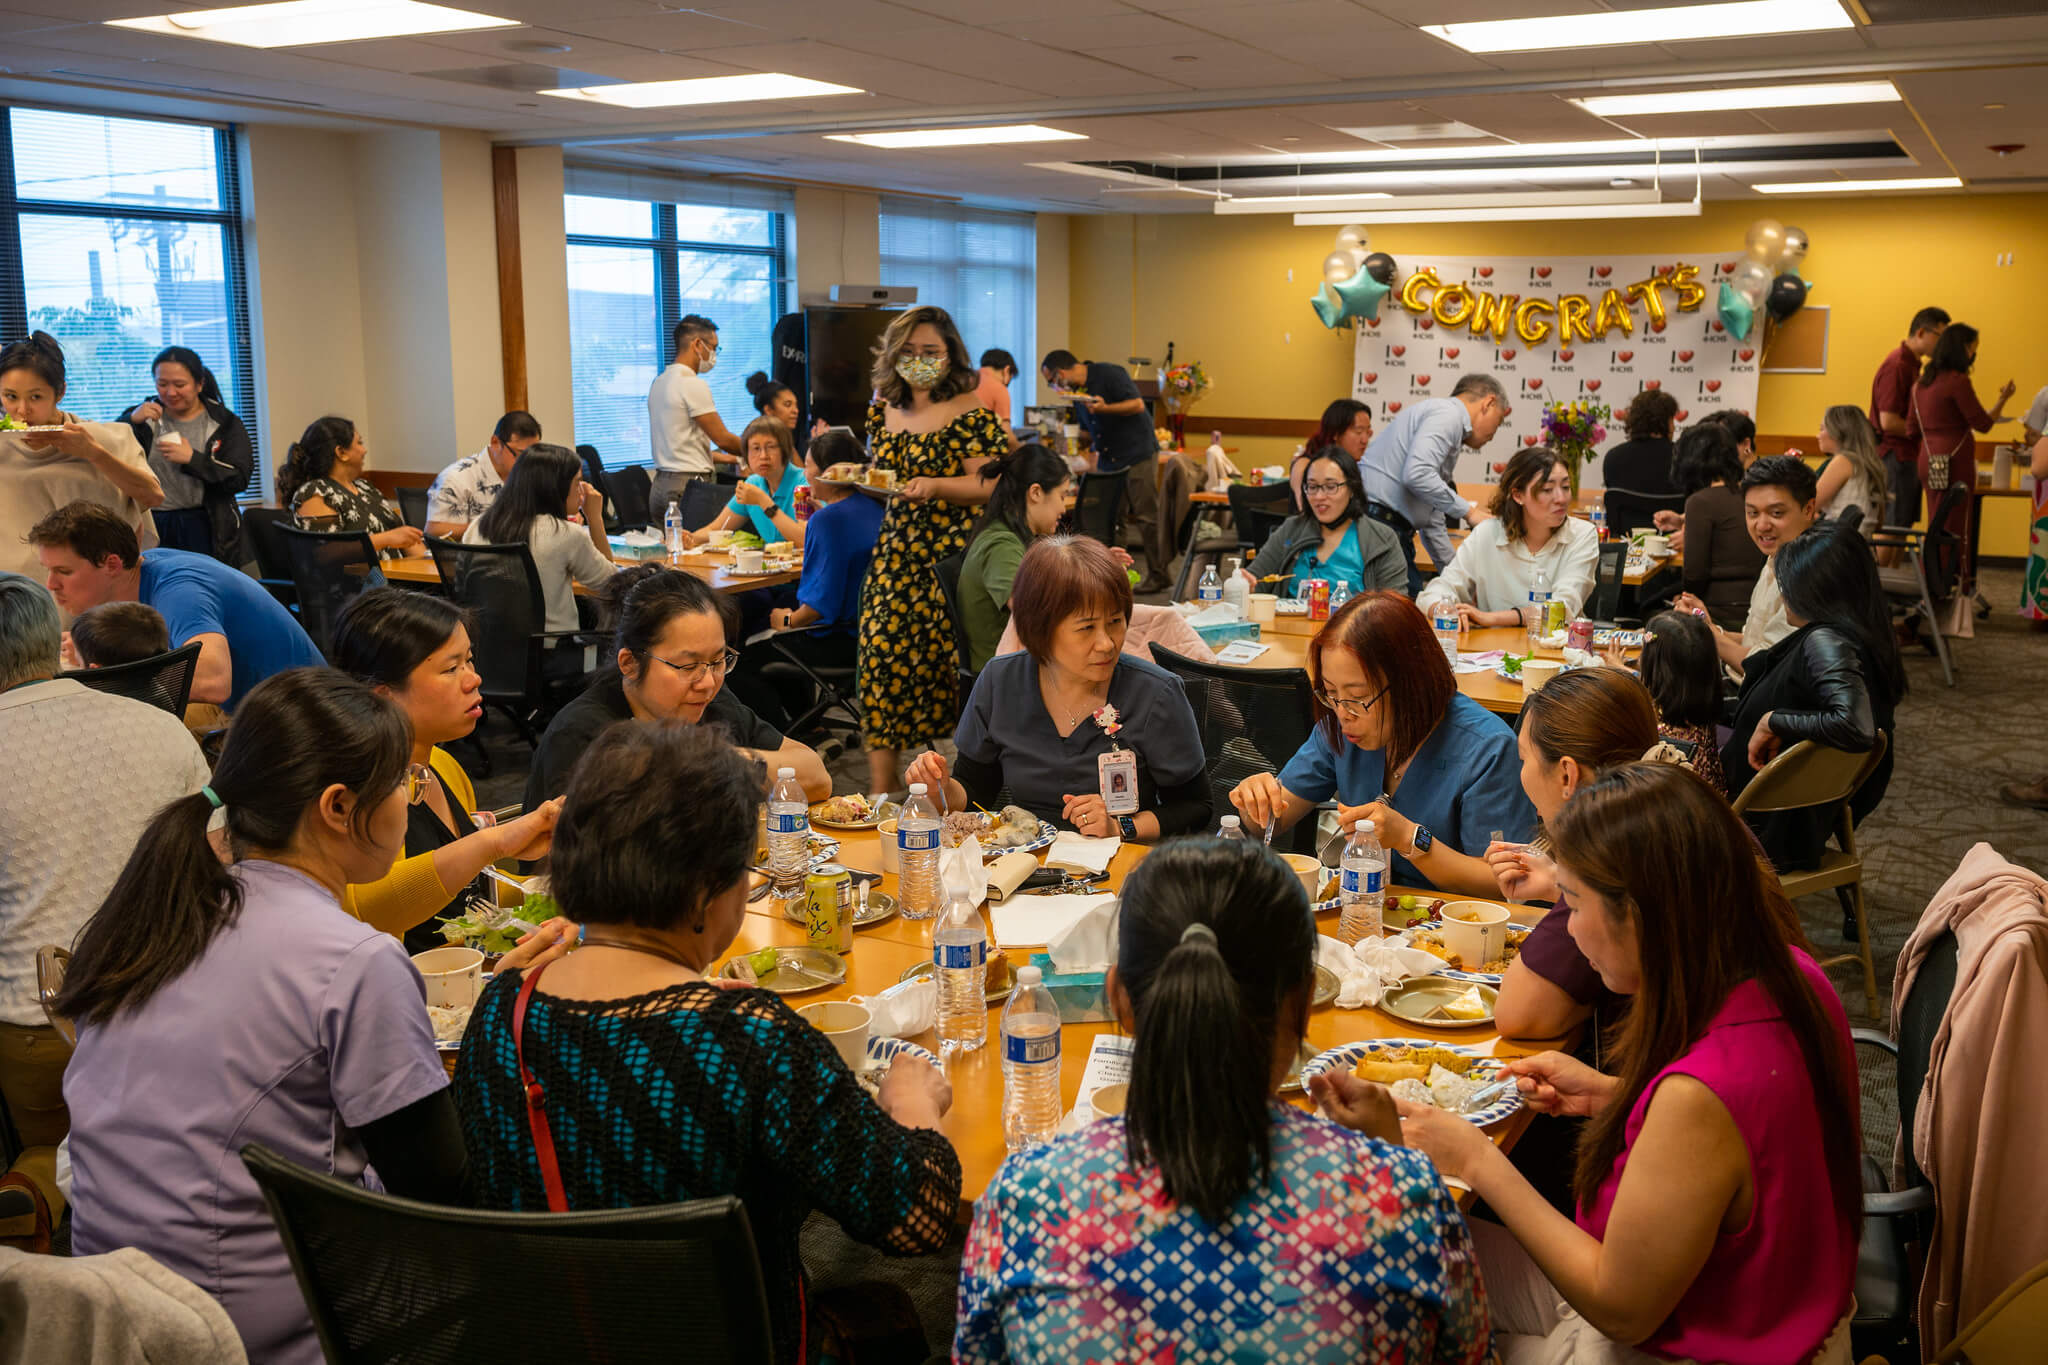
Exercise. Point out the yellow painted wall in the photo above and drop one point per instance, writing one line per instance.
(1219, 289)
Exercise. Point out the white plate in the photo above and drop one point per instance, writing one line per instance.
(1450, 973)
(1046, 834)
(1485, 1070)
(882, 1051)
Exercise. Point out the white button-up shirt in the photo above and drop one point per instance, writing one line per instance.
(1766, 623)
(1494, 573)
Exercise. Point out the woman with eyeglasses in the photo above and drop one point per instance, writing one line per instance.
(414, 649)
(1334, 539)
(1397, 743)
(673, 655)
(223, 1004)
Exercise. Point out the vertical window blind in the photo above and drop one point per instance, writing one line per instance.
(979, 265)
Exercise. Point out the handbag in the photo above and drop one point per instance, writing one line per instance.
(536, 1100)
(1937, 465)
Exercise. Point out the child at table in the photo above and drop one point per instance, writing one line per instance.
(1683, 675)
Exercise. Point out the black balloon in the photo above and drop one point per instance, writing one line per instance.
(1381, 267)
(1787, 296)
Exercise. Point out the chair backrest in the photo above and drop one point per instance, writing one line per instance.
(1808, 774)
(594, 475)
(1099, 504)
(631, 487)
(1250, 720)
(1920, 1015)
(2010, 1330)
(947, 571)
(1266, 498)
(1631, 511)
(265, 546)
(1945, 549)
(704, 500)
(726, 475)
(51, 962)
(390, 1279)
(412, 504)
(500, 585)
(329, 569)
(162, 680)
(1607, 576)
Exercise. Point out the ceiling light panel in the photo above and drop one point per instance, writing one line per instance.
(1932, 182)
(1742, 98)
(1614, 28)
(302, 23)
(959, 137)
(766, 85)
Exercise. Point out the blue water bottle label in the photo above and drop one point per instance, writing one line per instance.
(1349, 881)
(1446, 621)
(1043, 1047)
(916, 840)
(1372, 882)
(788, 824)
(960, 954)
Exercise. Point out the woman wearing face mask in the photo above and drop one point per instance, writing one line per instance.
(1488, 581)
(1346, 426)
(200, 451)
(1029, 495)
(927, 426)
(1333, 540)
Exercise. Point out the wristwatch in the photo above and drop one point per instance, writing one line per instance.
(1127, 827)
(1420, 843)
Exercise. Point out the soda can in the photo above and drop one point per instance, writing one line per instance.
(828, 908)
(803, 507)
(1258, 479)
(1316, 592)
(1579, 635)
(1554, 617)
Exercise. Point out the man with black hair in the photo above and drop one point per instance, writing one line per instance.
(466, 489)
(683, 427)
(1891, 412)
(1780, 499)
(1120, 421)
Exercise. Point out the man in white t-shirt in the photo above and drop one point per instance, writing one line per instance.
(689, 440)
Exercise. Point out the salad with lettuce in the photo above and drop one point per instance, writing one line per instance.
(497, 929)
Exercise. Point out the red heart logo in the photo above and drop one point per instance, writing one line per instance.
(1717, 326)
(1685, 355)
(1727, 267)
(1684, 413)
(1745, 353)
(1397, 350)
(1657, 326)
(1426, 323)
(1393, 407)
(1372, 322)
(1542, 272)
(1508, 354)
(1499, 467)
(1533, 383)
(1603, 271)
(1370, 377)
(1664, 270)
(1450, 352)
(1527, 441)
(1485, 272)
(1624, 356)
(1566, 355)
(1653, 383)
(1423, 379)
(1593, 386)
(1713, 386)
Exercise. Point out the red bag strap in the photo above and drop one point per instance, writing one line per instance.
(536, 1100)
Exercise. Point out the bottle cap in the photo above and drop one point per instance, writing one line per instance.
(917, 789)
(1231, 822)
(1365, 827)
(1029, 976)
(785, 772)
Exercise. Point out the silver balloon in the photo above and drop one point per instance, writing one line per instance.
(1752, 280)
(1794, 253)
(1766, 241)
(1352, 238)
(1339, 266)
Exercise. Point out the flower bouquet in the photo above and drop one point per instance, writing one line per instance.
(1574, 430)
(1182, 386)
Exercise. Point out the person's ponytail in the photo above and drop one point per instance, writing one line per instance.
(312, 455)
(291, 474)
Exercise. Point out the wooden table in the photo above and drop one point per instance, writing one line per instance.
(1289, 637)
(883, 952)
(710, 565)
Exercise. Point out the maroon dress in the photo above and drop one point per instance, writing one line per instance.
(1949, 417)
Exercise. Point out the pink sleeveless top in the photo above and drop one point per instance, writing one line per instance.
(1770, 1293)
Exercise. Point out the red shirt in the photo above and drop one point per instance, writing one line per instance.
(1951, 414)
(1892, 391)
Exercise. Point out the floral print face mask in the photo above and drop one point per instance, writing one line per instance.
(921, 371)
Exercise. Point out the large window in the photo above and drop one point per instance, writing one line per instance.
(978, 265)
(119, 237)
(644, 251)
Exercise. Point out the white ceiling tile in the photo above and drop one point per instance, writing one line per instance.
(692, 31)
(1105, 31)
(1419, 12)
(991, 12)
(1783, 47)
(2020, 29)
(1335, 20)
(882, 75)
(1208, 64)
(970, 51)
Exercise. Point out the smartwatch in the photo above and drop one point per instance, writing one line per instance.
(1421, 843)
(1127, 827)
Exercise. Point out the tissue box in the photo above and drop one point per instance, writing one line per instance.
(1082, 998)
(624, 550)
(1217, 636)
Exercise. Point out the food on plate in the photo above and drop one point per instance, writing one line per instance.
(1431, 941)
(881, 478)
(844, 810)
(744, 540)
(1392, 1064)
(997, 974)
(449, 1021)
(1466, 1005)
(849, 471)
(493, 929)
(1011, 827)
(1442, 1089)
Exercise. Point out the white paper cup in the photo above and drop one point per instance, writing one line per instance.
(748, 561)
(1476, 931)
(1536, 672)
(887, 833)
(1108, 1101)
(721, 539)
(1265, 605)
(1309, 869)
(846, 1024)
(1656, 546)
(454, 976)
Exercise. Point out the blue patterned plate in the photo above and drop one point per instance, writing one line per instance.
(1485, 1070)
(882, 1051)
(1455, 974)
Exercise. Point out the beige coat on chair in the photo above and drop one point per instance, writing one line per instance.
(118, 1309)
(1983, 1107)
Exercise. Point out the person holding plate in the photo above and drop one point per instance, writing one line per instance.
(1060, 723)
(1397, 743)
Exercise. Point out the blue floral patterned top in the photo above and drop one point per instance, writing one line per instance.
(1075, 1257)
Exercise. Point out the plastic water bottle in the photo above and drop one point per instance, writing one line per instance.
(1210, 590)
(789, 827)
(1230, 828)
(917, 856)
(1362, 884)
(1443, 619)
(1599, 516)
(1340, 593)
(1031, 1063)
(959, 959)
(1539, 606)
(672, 531)
(1237, 592)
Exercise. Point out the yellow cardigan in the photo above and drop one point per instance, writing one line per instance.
(411, 892)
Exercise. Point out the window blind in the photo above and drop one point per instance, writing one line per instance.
(979, 265)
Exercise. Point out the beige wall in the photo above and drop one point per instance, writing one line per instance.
(544, 271)
(467, 242)
(838, 240)
(408, 354)
(1055, 295)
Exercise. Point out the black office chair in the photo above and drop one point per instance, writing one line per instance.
(329, 569)
(1099, 505)
(1603, 608)
(529, 672)
(1250, 720)
(631, 488)
(390, 1279)
(702, 501)
(1268, 503)
(162, 680)
(1931, 575)
(947, 571)
(1629, 511)
(412, 504)
(594, 475)
(727, 475)
(266, 550)
(1891, 1076)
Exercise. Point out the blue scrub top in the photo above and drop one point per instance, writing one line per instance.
(1346, 564)
(1464, 783)
(784, 497)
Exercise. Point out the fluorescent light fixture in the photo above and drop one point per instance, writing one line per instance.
(765, 85)
(1345, 203)
(1532, 213)
(1750, 97)
(1931, 182)
(300, 23)
(960, 137)
(1612, 28)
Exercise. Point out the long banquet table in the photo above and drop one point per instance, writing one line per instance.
(1289, 637)
(713, 566)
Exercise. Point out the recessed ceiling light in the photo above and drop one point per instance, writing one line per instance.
(1680, 23)
(1752, 97)
(959, 137)
(1994, 106)
(301, 23)
(765, 85)
(1290, 139)
(1932, 182)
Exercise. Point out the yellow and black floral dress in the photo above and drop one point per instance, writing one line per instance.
(907, 659)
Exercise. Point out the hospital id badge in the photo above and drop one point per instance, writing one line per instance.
(1118, 772)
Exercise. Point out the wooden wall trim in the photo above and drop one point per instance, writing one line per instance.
(511, 285)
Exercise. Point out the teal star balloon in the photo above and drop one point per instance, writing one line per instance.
(1357, 297)
(1736, 313)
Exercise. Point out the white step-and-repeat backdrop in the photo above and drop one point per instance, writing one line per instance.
(1554, 329)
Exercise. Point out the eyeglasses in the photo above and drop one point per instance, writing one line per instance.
(1350, 708)
(690, 672)
(417, 779)
(1337, 487)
